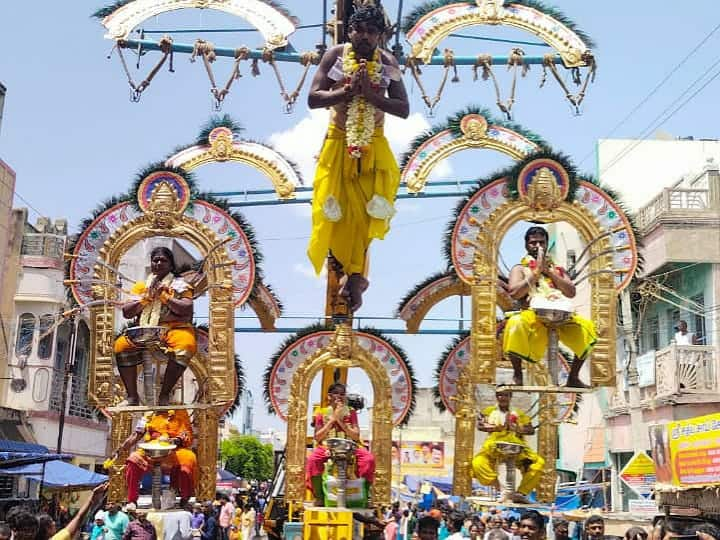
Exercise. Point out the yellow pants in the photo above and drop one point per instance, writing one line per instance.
(484, 466)
(352, 183)
(177, 340)
(525, 336)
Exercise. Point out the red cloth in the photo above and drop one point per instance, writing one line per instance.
(181, 478)
(315, 466)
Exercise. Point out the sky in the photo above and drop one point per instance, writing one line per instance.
(74, 137)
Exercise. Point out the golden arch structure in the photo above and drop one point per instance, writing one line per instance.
(287, 388)
(274, 25)
(539, 189)
(165, 207)
(465, 131)
(434, 26)
(221, 146)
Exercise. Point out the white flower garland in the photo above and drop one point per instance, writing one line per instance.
(360, 123)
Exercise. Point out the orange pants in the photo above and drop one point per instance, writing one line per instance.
(177, 340)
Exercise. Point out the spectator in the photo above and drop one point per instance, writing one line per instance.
(561, 529)
(23, 524)
(455, 522)
(140, 528)
(90, 505)
(99, 530)
(495, 524)
(227, 512)
(210, 529)
(197, 522)
(704, 531)
(130, 509)
(391, 529)
(403, 525)
(595, 527)
(428, 528)
(636, 533)
(5, 531)
(247, 522)
(477, 531)
(116, 521)
(682, 336)
(532, 526)
(46, 527)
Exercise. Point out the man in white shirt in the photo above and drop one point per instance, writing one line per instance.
(682, 336)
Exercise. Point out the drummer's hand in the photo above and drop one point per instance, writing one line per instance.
(165, 295)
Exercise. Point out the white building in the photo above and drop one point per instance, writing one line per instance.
(40, 358)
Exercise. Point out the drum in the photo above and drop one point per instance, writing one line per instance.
(552, 316)
(342, 448)
(145, 336)
(508, 449)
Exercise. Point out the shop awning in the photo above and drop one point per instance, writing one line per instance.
(58, 474)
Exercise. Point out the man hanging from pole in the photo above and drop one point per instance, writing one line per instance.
(357, 177)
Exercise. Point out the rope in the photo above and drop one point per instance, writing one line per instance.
(516, 62)
(206, 50)
(137, 89)
(307, 59)
(448, 62)
(574, 99)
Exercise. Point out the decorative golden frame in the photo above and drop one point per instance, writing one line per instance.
(221, 147)
(217, 370)
(483, 359)
(430, 30)
(476, 134)
(342, 352)
(270, 22)
(450, 285)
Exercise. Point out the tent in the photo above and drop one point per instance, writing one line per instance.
(58, 475)
(226, 481)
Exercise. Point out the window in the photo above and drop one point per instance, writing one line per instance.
(699, 328)
(78, 392)
(25, 332)
(673, 318)
(47, 336)
(651, 335)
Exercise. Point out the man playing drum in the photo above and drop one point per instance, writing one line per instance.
(166, 300)
(538, 279)
(336, 421)
(506, 425)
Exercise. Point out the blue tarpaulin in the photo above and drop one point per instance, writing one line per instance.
(58, 474)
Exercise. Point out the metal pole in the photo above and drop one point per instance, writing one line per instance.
(68, 366)
(553, 351)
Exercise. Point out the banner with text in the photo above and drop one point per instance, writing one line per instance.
(418, 455)
(695, 451)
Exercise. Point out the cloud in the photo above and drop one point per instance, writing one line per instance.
(307, 271)
(303, 141)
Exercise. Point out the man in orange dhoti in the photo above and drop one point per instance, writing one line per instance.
(172, 427)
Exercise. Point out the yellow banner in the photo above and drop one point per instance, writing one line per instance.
(694, 446)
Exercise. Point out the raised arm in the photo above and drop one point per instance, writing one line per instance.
(321, 93)
(396, 101)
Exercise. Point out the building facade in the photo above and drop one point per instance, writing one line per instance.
(48, 358)
(664, 374)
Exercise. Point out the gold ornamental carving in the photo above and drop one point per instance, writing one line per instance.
(465, 426)
(543, 192)
(343, 350)
(572, 50)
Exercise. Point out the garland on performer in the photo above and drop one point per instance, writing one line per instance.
(412, 18)
(453, 124)
(360, 123)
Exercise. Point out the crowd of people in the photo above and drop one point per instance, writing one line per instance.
(228, 517)
(411, 523)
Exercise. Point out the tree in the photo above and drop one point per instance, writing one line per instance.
(246, 457)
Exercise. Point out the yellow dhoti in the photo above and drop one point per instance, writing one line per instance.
(485, 464)
(179, 340)
(526, 337)
(345, 190)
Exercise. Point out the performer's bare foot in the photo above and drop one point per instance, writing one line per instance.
(163, 400)
(353, 289)
(519, 498)
(518, 379)
(575, 382)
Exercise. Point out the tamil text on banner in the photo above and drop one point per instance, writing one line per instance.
(695, 451)
(639, 474)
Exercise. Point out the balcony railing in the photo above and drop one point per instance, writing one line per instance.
(671, 201)
(683, 369)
